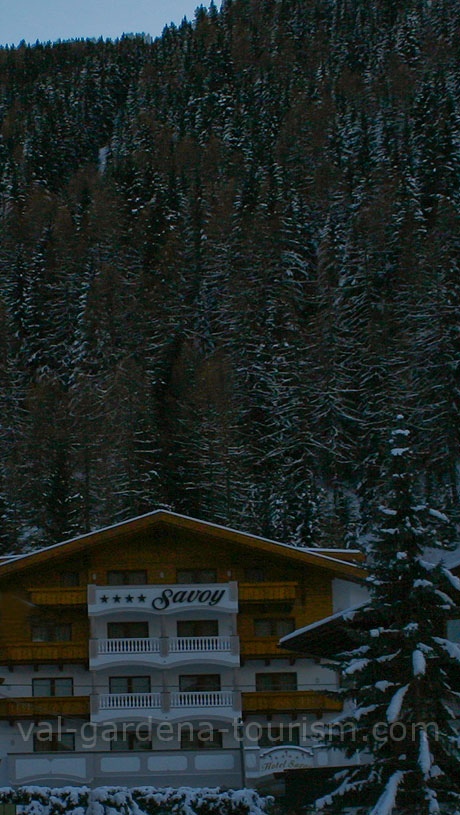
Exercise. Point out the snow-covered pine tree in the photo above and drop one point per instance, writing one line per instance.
(400, 695)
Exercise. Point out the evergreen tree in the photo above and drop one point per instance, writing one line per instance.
(402, 676)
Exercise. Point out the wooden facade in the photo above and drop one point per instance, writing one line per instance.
(60, 607)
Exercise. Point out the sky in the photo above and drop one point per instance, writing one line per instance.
(45, 20)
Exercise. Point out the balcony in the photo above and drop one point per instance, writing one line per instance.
(201, 699)
(284, 592)
(164, 651)
(165, 705)
(130, 701)
(175, 598)
(28, 653)
(58, 597)
(45, 706)
(292, 701)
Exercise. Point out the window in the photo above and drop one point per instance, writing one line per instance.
(54, 742)
(197, 628)
(129, 684)
(453, 630)
(69, 579)
(276, 681)
(58, 686)
(132, 741)
(284, 734)
(51, 632)
(255, 574)
(127, 630)
(199, 682)
(130, 577)
(196, 576)
(273, 627)
(201, 740)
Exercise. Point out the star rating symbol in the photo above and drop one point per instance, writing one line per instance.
(104, 599)
(129, 598)
(141, 598)
(117, 598)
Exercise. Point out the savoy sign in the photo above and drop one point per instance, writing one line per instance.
(187, 597)
(164, 599)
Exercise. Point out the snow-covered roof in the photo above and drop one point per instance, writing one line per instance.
(326, 557)
(345, 614)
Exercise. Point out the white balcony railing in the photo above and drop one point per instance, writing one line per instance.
(179, 645)
(130, 645)
(129, 701)
(215, 698)
(165, 704)
(166, 645)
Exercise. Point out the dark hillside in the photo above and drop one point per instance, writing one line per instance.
(227, 258)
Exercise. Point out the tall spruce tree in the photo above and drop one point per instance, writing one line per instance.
(400, 690)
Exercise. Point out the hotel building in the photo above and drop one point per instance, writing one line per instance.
(148, 653)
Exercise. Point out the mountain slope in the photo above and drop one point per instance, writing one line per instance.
(227, 259)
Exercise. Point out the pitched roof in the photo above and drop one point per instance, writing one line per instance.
(329, 559)
(325, 637)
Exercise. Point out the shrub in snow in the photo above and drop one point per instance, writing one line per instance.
(45, 801)
(137, 801)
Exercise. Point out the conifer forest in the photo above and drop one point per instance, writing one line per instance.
(228, 258)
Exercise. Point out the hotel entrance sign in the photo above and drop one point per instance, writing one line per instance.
(278, 759)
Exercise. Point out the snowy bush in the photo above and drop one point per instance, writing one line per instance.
(137, 801)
